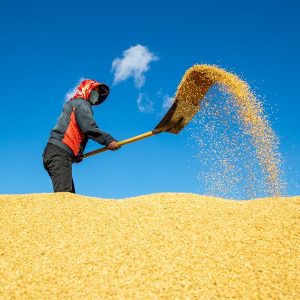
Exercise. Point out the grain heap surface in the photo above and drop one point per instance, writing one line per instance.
(159, 246)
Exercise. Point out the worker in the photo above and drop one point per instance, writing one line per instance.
(75, 126)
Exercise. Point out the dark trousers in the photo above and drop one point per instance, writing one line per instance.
(58, 164)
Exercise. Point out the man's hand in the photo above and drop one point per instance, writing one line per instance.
(113, 146)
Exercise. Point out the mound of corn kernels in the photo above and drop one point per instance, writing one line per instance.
(159, 246)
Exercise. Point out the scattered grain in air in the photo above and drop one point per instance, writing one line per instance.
(241, 113)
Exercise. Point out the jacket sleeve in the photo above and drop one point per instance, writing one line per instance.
(88, 126)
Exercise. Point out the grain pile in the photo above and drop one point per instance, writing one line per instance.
(197, 82)
(160, 246)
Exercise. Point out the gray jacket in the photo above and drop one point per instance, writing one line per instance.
(75, 126)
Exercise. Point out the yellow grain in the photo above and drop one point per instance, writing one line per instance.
(159, 246)
(200, 78)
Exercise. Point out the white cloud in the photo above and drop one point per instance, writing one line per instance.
(144, 103)
(134, 63)
(73, 90)
(167, 102)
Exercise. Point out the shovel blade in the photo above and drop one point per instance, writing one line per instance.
(178, 116)
(191, 90)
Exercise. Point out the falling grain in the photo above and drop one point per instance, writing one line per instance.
(195, 85)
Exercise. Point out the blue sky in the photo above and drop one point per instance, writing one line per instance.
(47, 46)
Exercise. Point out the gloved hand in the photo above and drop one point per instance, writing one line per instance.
(113, 146)
(78, 159)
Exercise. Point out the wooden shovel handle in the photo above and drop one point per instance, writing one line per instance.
(124, 142)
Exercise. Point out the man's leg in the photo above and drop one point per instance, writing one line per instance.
(73, 187)
(61, 175)
(59, 166)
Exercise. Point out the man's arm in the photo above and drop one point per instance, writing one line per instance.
(88, 126)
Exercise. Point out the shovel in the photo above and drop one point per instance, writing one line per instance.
(186, 104)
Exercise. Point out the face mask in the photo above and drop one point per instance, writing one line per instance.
(94, 97)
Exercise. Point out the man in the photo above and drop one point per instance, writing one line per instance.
(69, 137)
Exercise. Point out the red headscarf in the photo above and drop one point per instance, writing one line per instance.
(85, 87)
